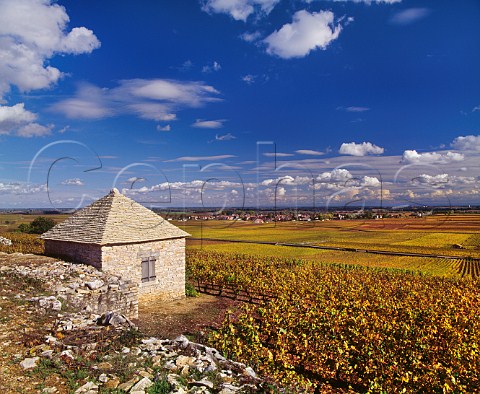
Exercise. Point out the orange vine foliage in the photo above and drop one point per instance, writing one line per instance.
(343, 328)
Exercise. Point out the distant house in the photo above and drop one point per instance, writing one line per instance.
(118, 235)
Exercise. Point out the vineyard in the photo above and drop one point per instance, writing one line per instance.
(459, 237)
(426, 265)
(347, 328)
(468, 267)
(22, 243)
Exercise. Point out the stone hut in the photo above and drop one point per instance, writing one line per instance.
(118, 235)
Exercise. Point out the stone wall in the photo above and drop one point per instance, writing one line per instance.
(80, 286)
(125, 260)
(71, 251)
(114, 295)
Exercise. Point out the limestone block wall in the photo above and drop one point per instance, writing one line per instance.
(90, 254)
(125, 260)
(116, 295)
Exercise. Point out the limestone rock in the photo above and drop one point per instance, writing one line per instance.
(143, 384)
(112, 384)
(49, 390)
(104, 366)
(183, 361)
(114, 319)
(145, 374)
(94, 284)
(50, 302)
(87, 388)
(103, 378)
(67, 354)
(30, 363)
(203, 382)
(5, 241)
(250, 372)
(128, 385)
(47, 353)
(229, 389)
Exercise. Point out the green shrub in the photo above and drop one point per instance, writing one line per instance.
(39, 225)
(190, 290)
(160, 387)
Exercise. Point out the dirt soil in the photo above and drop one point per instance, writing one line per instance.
(191, 316)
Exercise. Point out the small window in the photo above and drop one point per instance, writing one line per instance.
(148, 269)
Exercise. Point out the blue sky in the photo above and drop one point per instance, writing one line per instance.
(240, 102)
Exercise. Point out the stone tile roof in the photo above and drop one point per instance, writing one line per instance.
(114, 219)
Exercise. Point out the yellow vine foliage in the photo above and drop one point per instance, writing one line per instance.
(22, 243)
(345, 328)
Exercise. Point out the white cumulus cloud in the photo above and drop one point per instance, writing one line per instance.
(18, 188)
(19, 121)
(363, 149)
(432, 180)
(465, 143)
(337, 175)
(413, 157)
(342, 179)
(14, 116)
(34, 130)
(370, 181)
(239, 10)
(307, 32)
(73, 182)
(32, 32)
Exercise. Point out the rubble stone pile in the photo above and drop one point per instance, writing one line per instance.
(85, 288)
